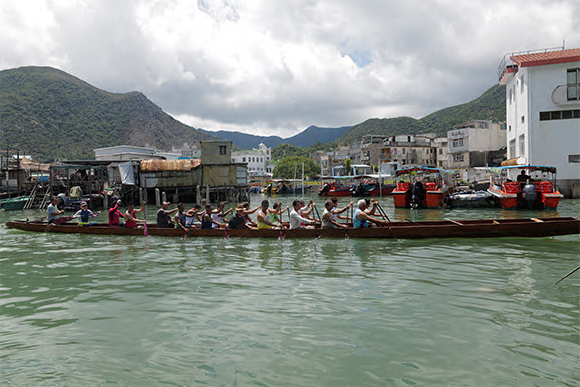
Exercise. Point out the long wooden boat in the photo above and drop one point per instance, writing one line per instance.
(479, 228)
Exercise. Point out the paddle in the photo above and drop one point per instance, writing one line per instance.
(567, 275)
(384, 215)
(410, 221)
(145, 231)
(63, 219)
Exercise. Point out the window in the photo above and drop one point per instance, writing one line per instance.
(223, 150)
(573, 82)
(510, 128)
(458, 157)
(512, 148)
(560, 115)
(522, 144)
(457, 143)
(522, 84)
(243, 159)
(511, 94)
(523, 119)
(440, 151)
(574, 158)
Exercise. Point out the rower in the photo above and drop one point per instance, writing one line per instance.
(363, 219)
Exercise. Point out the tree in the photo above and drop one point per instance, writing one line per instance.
(287, 166)
(347, 166)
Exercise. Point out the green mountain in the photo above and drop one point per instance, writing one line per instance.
(49, 114)
(489, 106)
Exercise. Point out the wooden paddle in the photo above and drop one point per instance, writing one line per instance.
(384, 215)
(567, 275)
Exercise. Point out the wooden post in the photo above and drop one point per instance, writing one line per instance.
(163, 197)
(157, 198)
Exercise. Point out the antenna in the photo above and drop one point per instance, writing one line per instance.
(563, 43)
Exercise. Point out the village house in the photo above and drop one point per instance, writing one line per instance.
(543, 112)
(409, 149)
(259, 161)
(472, 144)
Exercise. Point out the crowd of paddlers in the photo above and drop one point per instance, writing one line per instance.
(299, 215)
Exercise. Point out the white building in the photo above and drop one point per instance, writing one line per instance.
(471, 144)
(126, 153)
(259, 161)
(543, 112)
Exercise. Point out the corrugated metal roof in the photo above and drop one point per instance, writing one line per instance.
(169, 165)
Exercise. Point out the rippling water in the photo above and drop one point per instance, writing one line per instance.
(79, 310)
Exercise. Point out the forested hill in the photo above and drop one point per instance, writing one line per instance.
(309, 137)
(489, 106)
(49, 114)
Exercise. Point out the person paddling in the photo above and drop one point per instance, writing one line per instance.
(131, 215)
(362, 216)
(84, 213)
(328, 220)
(115, 214)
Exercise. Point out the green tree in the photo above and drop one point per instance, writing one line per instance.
(293, 164)
(347, 166)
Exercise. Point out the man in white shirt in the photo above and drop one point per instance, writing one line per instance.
(53, 211)
(296, 220)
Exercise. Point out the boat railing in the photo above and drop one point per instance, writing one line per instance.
(511, 186)
(544, 186)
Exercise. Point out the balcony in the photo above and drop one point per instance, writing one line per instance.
(566, 94)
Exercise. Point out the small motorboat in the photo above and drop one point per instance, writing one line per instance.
(534, 191)
(421, 187)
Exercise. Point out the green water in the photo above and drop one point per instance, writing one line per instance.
(81, 310)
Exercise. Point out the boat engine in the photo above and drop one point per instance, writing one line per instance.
(417, 194)
(529, 196)
(359, 190)
(324, 190)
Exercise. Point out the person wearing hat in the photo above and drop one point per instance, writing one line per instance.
(164, 216)
(131, 215)
(84, 214)
(237, 220)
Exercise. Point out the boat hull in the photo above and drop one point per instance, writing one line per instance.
(480, 228)
(13, 204)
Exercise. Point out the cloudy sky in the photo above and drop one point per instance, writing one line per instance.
(278, 66)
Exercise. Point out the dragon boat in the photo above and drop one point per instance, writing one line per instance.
(477, 228)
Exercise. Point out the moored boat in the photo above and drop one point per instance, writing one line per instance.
(478, 228)
(471, 199)
(536, 191)
(421, 187)
(13, 204)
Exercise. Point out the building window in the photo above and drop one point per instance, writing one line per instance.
(573, 82)
(522, 84)
(457, 143)
(560, 115)
(440, 151)
(458, 157)
(574, 158)
(243, 159)
(510, 128)
(512, 148)
(511, 94)
(523, 119)
(522, 144)
(223, 150)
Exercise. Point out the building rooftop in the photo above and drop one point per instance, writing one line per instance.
(547, 58)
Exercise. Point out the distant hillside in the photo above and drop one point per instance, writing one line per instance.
(50, 114)
(489, 106)
(310, 136)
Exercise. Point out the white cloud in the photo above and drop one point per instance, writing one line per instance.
(276, 67)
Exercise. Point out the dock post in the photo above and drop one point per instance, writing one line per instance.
(207, 193)
(163, 197)
(198, 194)
(105, 200)
(157, 198)
(144, 195)
(140, 195)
